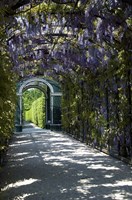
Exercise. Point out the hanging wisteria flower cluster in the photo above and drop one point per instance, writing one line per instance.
(67, 34)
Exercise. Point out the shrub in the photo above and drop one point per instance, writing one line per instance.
(37, 112)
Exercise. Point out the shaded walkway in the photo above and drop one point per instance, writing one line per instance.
(44, 165)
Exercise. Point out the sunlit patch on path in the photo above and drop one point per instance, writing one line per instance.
(19, 184)
(46, 165)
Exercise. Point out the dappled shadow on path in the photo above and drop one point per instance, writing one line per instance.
(44, 165)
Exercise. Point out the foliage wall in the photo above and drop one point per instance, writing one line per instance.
(96, 107)
(7, 98)
(37, 112)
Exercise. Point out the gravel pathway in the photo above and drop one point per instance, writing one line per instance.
(46, 165)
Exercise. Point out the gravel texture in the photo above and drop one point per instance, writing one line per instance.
(46, 165)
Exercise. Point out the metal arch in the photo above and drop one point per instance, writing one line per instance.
(35, 80)
(32, 83)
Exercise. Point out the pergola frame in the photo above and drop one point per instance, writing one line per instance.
(53, 119)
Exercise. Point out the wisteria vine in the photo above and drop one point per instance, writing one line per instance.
(84, 42)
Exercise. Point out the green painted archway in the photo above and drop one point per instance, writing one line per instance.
(53, 95)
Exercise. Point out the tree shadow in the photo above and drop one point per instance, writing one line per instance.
(46, 165)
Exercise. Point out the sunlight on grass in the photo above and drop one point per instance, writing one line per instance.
(19, 184)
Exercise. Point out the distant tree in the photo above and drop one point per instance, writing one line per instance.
(29, 96)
